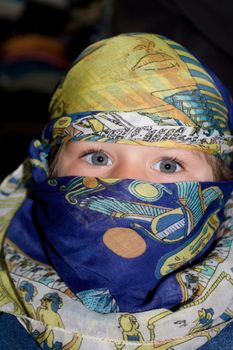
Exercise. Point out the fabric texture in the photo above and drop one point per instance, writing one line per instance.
(148, 74)
(146, 232)
(156, 93)
(222, 341)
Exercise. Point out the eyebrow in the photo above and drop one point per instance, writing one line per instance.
(198, 153)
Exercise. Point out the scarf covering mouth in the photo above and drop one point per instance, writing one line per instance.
(118, 244)
(151, 91)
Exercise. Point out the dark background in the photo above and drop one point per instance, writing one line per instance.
(40, 38)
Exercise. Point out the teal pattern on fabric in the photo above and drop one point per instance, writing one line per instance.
(197, 107)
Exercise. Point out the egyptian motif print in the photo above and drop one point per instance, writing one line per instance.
(190, 110)
(41, 294)
(126, 223)
(115, 126)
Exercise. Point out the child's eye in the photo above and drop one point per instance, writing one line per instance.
(97, 158)
(168, 166)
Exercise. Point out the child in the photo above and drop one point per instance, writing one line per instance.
(117, 230)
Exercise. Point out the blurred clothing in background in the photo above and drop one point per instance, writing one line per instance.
(38, 40)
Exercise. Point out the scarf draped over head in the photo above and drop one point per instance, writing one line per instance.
(141, 89)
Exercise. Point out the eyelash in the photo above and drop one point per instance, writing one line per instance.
(173, 159)
(99, 150)
(92, 150)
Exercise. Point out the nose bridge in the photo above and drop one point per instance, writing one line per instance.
(130, 169)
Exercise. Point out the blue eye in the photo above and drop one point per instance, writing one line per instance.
(168, 166)
(98, 158)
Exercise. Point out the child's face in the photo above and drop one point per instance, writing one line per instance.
(111, 160)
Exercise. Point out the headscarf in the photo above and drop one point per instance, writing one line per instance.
(136, 89)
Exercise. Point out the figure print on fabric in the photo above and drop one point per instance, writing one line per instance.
(123, 225)
(154, 59)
